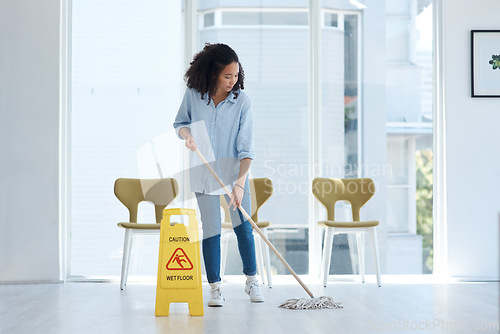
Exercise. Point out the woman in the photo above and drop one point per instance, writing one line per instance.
(214, 99)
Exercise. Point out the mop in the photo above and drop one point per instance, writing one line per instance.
(323, 302)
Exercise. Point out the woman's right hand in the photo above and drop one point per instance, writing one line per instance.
(190, 143)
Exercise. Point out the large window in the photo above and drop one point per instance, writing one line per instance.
(400, 30)
(409, 136)
(127, 70)
(126, 85)
(270, 43)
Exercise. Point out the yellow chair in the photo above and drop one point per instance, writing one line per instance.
(260, 189)
(161, 192)
(357, 192)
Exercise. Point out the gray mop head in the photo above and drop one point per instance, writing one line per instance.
(319, 303)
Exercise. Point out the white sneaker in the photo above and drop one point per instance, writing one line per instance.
(216, 299)
(252, 288)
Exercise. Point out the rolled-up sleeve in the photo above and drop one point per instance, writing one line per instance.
(245, 144)
(183, 118)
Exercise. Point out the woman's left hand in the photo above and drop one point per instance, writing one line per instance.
(236, 197)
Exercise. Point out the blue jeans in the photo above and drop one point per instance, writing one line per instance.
(211, 223)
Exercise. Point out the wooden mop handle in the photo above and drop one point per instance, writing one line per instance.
(247, 216)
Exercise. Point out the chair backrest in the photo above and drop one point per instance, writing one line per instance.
(355, 191)
(161, 192)
(260, 190)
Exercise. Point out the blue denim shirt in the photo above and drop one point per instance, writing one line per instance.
(223, 134)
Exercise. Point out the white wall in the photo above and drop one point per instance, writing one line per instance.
(472, 147)
(29, 132)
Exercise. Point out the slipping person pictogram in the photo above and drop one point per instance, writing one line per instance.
(177, 259)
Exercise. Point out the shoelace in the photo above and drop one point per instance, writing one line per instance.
(254, 286)
(216, 293)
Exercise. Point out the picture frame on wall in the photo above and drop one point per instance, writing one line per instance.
(485, 63)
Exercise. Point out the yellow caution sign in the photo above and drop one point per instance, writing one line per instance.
(179, 268)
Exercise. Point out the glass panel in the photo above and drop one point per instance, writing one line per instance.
(126, 85)
(351, 96)
(279, 98)
(397, 39)
(339, 117)
(424, 59)
(331, 20)
(264, 18)
(409, 145)
(424, 153)
(397, 209)
(397, 159)
(332, 103)
(240, 18)
(292, 243)
(424, 198)
(397, 7)
(208, 19)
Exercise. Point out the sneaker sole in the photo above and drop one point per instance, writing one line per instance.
(255, 300)
(215, 305)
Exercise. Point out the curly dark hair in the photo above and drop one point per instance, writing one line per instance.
(206, 67)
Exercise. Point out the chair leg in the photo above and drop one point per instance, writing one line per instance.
(267, 259)
(353, 252)
(258, 257)
(361, 255)
(373, 236)
(327, 253)
(127, 246)
(225, 241)
(321, 267)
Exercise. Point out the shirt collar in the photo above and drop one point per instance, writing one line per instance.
(230, 97)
